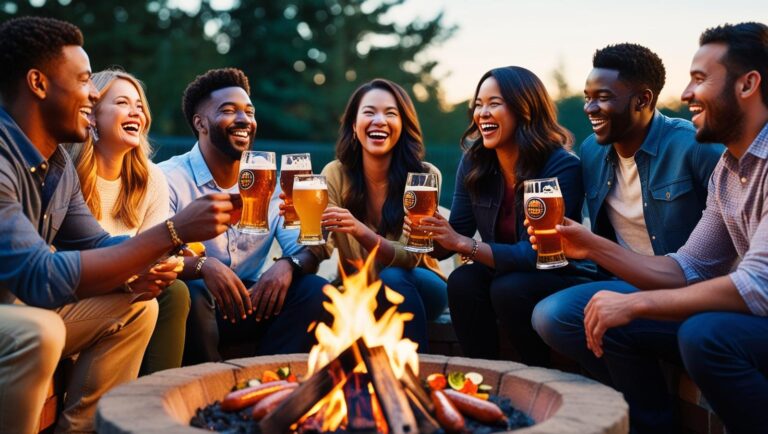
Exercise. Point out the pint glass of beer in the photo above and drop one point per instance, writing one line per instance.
(257, 183)
(545, 208)
(310, 198)
(290, 166)
(419, 201)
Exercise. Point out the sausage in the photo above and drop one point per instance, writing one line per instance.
(266, 405)
(240, 399)
(447, 414)
(476, 408)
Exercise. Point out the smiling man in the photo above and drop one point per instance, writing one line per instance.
(645, 178)
(274, 309)
(707, 303)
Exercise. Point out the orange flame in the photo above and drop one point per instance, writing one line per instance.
(352, 308)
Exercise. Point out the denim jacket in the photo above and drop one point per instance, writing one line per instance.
(469, 214)
(674, 171)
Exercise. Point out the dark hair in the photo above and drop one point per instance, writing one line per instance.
(537, 133)
(407, 156)
(31, 43)
(747, 50)
(203, 85)
(635, 63)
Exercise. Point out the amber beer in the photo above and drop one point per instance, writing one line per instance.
(290, 166)
(544, 208)
(419, 201)
(310, 198)
(257, 184)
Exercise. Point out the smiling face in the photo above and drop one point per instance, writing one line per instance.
(378, 123)
(608, 103)
(493, 116)
(711, 98)
(120, 116)
(229, 122)
(70, 96)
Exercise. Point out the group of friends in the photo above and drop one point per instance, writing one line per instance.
(673, 265)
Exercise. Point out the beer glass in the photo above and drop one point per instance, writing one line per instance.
(419, 201)
(257, 183)
(310, 198)
(544, 208)
(290, 166)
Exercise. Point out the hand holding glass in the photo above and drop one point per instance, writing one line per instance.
(257, 183)
(544, 208)
(310, 198)
(290, 166)
(419, 201)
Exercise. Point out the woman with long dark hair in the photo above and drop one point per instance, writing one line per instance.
(379, 143)
(513, 136)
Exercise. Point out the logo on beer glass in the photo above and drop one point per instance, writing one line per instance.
(246, 179)
(535, 208)
(409, 200)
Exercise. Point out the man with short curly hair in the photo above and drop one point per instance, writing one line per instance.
(62, 278)
(645, 178)
(273, 309)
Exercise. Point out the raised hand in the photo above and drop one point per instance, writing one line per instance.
(207, 216)
(336, 219)
(577, 238)
(442, 232)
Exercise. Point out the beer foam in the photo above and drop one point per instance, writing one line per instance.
(419, 188)
(550, 193)
(259, 163)
(297, 165)
(309, 184)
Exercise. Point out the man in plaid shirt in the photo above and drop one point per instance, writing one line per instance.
(706, 304)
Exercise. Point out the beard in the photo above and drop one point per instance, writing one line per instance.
(723, 120)
(220, 140)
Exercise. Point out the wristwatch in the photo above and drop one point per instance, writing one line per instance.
(295, 262)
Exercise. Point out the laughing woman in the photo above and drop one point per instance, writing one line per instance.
(379, 143)
(128, 194)
(513, 136)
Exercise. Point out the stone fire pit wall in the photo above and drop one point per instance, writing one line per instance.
(560, 403)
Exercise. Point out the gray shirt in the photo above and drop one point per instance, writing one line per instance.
(734, 227)
(44, 221)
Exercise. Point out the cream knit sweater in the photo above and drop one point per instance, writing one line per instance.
(153, 209)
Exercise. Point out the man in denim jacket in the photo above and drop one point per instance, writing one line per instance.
(645, 180)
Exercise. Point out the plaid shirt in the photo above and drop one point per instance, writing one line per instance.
(732, 235)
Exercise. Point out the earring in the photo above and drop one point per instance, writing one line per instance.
(94, 133)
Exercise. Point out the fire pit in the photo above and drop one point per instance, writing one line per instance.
(364, 376)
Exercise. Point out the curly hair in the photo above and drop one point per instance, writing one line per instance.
(203, 85)
(407, 156)
(635, 63)
(134, 171)
(747, 50)
(537, 134)
(31, 43)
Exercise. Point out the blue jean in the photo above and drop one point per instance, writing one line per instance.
(482, 300)
(726, 354)
(425, 296)
(285, 333)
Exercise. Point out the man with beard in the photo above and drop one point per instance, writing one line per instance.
(707, 303)
(283, 301)
(645, 178)
(62, 289)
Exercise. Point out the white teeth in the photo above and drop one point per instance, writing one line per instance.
(378, 134)
(85, 110)
(488, 126)
(240, 133)
(597, 122)
(695, 109)
(131, 126)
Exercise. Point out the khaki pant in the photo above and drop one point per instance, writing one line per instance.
(108, 334)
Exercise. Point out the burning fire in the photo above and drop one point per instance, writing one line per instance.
(353, 316)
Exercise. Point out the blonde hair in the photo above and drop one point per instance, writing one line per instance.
(134, 172)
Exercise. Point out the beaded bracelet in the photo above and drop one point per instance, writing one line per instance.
(199, 265)
(174, 235)
(472, 254)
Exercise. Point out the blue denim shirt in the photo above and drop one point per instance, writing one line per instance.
(189, 178)
(674, 171)
(480, 213)
(41, 206)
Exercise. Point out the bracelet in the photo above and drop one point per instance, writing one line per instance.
(174, 235)
(471, 256)
(199, 265)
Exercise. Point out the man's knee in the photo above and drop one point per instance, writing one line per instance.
(700, 337)
(463, 280)
(43, 335)
(144, 315)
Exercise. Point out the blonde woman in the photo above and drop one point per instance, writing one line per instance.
(127, 194)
